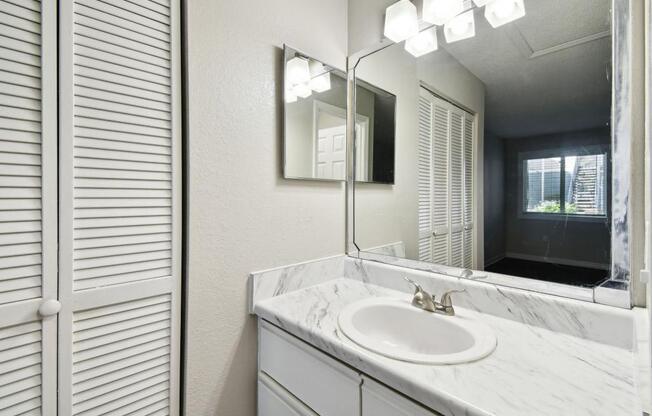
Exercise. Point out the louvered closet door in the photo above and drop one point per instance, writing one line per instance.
(120, 207)
(28, 217)
(440, 179)
(424, 178)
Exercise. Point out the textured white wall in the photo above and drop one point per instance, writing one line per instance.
(242, 215)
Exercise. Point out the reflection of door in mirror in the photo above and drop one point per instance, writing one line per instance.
(329, 145)
(445, 182)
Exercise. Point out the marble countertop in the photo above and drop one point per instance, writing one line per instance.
(533, 371)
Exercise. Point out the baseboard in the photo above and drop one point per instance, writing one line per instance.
(555, 260)
(493, 260)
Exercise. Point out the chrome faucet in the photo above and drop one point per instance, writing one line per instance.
(427, 302)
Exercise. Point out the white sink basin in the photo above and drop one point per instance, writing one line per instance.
(396, 329)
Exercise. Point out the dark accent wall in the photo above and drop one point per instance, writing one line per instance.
(553, 238)
(384, 138)
(494, 199)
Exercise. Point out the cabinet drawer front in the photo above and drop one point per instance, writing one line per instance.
(378, 400)
(274, 400)
(325, 385)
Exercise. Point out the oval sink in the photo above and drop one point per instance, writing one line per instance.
(396, 329)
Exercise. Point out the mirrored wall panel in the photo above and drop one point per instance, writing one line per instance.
(503, 141)
(315, 101)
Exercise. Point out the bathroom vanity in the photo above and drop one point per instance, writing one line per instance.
(294, 378)
(553, 355)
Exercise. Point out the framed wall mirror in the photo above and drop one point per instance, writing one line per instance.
(513, 148)
(315, 111)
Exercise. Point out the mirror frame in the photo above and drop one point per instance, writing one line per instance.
(627, 218)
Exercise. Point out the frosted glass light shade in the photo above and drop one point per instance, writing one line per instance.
(401, 21)
(321, 82)
(290, 97)
(302, 90)
(423, 43)
(320, 77)
(439, 12)
(499, 12)
(461, 27)
(297, 71)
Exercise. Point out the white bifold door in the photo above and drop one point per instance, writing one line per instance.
(90, 207)
(445, 182)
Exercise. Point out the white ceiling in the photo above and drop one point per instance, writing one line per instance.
(546, 72)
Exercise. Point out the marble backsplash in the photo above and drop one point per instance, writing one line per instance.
(604, 324)
(280, 280)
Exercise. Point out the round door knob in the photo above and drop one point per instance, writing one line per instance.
(49, 307)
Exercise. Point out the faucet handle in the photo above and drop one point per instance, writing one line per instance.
(417, 287)
(446, 297)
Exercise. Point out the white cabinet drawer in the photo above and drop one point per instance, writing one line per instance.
(325, 385)
(274, 400)
(378, 400)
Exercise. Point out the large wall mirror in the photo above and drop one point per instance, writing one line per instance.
(315, 97)
(507, 141)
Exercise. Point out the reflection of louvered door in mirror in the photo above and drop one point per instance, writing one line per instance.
(28, 204)
(445, 182)
(119, 207)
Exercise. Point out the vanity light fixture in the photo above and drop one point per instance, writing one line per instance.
(320, 77)
(457, 17)
(290, 97)
(439, 12)
(423, 43)
(401, 21)
(297, 71)
(302, 90)
(499, 12)
(461, 27)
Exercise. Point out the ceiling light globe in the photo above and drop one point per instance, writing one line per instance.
(500, 12)
(439, 12)
(504, 8)
(423, 43)
(459, 27)
(297, 71)
(401, 21)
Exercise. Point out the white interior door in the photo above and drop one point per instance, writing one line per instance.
(331, 153)
(28, 209)
(120, 207)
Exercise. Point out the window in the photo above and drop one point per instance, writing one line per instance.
(569, 185)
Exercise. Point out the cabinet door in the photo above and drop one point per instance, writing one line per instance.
(28, 206)
(378, 400)
(120, 211)
(274, 400)
(325, 385)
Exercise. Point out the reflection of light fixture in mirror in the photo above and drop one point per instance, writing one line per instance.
(439, 12)
(290, 97)
(461, 27)
(499, 12)
(423, 43)
(297, 71)
(320, 77)
(401, 21)
(302, 90)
